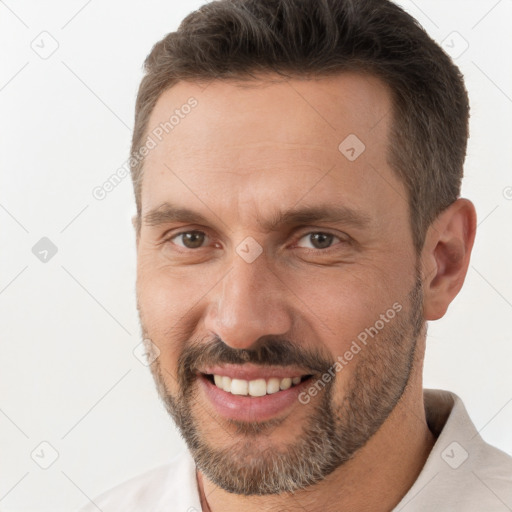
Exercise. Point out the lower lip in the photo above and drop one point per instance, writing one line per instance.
(248, 408)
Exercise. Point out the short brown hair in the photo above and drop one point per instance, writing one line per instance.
(237, 39)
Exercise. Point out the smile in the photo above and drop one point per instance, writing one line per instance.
(256, 387)
(252, 393)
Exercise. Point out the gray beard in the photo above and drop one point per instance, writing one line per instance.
(335, 429)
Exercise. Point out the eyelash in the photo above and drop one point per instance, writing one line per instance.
(309, 249)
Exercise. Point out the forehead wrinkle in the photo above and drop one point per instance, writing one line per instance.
(168, 213)
(308, 214)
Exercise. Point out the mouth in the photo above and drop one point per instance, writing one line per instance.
(255, 387)
(252, 394)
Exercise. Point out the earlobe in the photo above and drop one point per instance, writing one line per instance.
(446, 255)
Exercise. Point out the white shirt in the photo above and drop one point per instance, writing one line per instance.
(462, 473)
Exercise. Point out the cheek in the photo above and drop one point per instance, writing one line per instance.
(168, 302)
(342, 304)
(166, 293)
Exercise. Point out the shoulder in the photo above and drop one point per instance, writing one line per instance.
(477, 454)
(492, 470)
(132, 492)
(463, 473)
(157, 489)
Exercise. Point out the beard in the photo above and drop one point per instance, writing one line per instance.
(335, 428)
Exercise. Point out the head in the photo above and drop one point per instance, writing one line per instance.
(300, 214)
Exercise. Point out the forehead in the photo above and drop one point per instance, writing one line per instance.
(298, 138)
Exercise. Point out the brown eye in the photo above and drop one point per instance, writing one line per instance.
(318, 240)
(190, 239)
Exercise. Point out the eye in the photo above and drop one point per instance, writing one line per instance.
(189, 239)
(317, 240)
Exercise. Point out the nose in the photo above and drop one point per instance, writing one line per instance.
(249, 302)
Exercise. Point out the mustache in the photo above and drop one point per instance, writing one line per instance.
(269, 352)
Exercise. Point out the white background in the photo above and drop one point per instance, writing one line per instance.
(68, 375)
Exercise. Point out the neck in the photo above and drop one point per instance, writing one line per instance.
(376, 478)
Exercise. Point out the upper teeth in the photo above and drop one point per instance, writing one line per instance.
(258, 387)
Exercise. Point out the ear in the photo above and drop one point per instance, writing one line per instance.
(445, 256)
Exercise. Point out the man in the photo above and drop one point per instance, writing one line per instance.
(297, 170)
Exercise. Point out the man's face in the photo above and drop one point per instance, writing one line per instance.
(297, 265)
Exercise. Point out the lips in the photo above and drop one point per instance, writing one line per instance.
(249, 371)
(251, 393)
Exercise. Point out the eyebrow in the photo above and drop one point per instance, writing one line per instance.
(166, 213)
